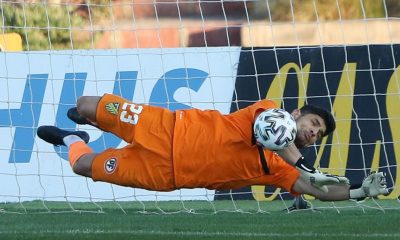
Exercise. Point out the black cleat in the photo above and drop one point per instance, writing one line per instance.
(76, 117)
(54, 135)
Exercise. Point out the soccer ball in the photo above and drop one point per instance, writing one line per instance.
(275, 129)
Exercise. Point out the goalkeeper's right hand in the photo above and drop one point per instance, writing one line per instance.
(318, 179)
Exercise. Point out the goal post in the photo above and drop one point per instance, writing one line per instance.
(206, 54)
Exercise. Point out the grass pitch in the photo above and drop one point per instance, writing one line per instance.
(200, 220)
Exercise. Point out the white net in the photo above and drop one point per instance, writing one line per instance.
(224, 55)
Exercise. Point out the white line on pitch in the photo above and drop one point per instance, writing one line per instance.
(206, 234)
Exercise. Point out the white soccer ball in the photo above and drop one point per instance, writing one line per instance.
(275, 129)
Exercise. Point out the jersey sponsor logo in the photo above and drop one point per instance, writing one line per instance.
(112, 108)
(110, 165)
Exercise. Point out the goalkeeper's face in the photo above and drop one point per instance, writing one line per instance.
(310, 128)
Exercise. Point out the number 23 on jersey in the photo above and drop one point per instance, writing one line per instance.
(130, 113)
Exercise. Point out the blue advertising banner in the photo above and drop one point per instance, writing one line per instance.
(38, 87)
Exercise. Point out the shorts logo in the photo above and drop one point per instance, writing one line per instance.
(110, 165)
(112, 108)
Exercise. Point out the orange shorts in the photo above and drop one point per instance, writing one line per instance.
(146, 162)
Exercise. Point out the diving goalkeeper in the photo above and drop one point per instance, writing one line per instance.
(200, 149)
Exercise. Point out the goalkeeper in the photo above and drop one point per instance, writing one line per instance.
(200, 149)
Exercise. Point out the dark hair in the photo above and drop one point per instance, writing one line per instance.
(324, 114)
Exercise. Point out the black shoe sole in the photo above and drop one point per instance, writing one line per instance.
(76, 117)
(55, 135)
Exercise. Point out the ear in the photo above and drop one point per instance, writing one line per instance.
(296, 113)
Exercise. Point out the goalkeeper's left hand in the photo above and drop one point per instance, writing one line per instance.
(375, 184)
(372, 186)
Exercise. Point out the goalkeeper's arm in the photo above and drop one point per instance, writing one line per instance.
(372, 186)
(317, 179)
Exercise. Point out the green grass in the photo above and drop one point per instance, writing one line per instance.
(346, 220)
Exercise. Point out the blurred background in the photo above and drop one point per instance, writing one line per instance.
(102, 24)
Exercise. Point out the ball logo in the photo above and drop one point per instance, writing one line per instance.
(110, 165)
(275, 129)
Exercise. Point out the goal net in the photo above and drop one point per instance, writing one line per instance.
(208, 54)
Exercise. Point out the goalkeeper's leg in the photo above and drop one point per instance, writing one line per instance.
(79, 153)
(85, 110)
(102, 113)
(132, 165)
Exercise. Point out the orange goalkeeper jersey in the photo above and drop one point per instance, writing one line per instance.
(217, 151)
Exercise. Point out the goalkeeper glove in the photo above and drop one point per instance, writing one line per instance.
(318, 179)
(372, 186)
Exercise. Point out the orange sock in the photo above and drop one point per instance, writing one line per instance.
(77, 150)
